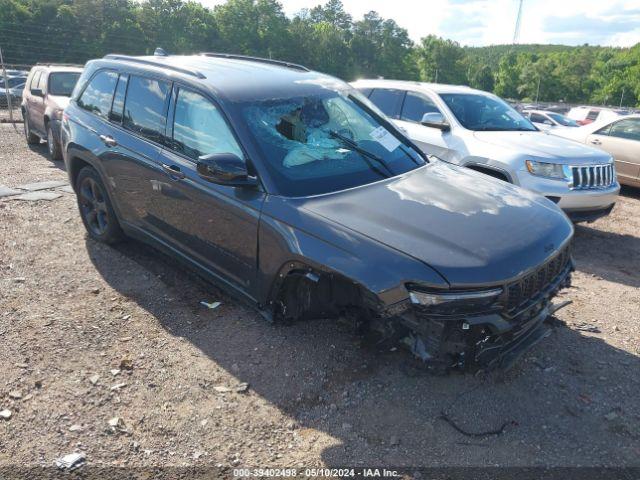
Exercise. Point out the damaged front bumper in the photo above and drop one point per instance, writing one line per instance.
(495, 339)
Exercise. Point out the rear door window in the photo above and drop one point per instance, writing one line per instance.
(415, 106)
(34, 81)
(145, 107)
(98, 94)
(387, 100)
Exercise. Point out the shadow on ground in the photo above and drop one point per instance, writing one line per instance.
(384, 410)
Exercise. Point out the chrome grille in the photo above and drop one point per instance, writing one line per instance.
(528, 287)
(585, 177)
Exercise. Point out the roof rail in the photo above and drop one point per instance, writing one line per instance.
(232, 56)
(144, 61)
(55, 64)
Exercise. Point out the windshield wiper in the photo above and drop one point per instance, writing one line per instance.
(364, 152)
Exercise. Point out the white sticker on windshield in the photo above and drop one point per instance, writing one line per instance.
(384, 138)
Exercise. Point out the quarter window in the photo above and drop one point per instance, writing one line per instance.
(628, 128)
(99, 93)
(415, 106)
(199, 128)
(388, 101)
(145, 107)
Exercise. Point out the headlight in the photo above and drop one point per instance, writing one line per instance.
(444, 303)
(549, 170)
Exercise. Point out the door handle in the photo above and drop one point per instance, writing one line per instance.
(595, 141)
(108, 140)
(173, 171)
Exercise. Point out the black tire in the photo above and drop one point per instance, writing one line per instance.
(95, 207)
(55, 152)
(32, 138)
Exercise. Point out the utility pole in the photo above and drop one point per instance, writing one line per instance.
(621, 97)
(6, 87)
(516, 31)
(538, 90)
(436, 76)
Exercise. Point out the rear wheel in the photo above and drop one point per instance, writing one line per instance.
(95, 207)
(52, 144)
(32, 138)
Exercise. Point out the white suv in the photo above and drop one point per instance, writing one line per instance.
(478, 130)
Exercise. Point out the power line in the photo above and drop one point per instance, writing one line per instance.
(516, 32)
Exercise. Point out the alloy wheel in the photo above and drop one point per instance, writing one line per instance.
(93, 206)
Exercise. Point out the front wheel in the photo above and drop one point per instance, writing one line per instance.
(95, 207)
(53, 145)
(32, 138)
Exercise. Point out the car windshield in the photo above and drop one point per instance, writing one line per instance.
(483, 112)
(562, 120)
(325, 143)
(62, 83)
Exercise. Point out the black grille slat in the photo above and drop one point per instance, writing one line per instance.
(520, 292)
(592, 176)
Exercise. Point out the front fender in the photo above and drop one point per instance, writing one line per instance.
(290, 238)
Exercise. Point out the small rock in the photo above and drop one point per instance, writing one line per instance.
(95, 291)
(242, 387)
(126, 364)
(15, 394)
(126, 339)
(197, 455)
(94, 379)
(116, 425)
(394, 440)
(221, 389)
(5, 414)
(22, 365)
(115, 372)
(71, 461)
(126, 317)
(203, 422)
(75, 428)
(19, 279)
(118, 386)
(611, 416)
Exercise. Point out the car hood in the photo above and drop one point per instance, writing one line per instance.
(471, 228)
(58, 102)
(543, 145)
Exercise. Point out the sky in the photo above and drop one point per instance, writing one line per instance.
(487, 22)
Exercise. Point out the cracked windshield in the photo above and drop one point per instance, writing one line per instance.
(322, 143)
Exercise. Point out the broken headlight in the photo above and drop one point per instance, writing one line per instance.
(454, 302)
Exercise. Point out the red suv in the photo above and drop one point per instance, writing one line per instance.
(44, 97)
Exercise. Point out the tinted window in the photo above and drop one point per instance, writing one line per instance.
(34, 81)
(593, 114)
(118, 99)
(199, 128)
(99, 93)
(485, 113)
(325, 142)
(562, 120)
(415, 106)
(145, 107)
(629, 129)
(387, 100)
(62, 83)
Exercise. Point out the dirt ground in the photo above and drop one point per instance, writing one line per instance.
(89, 333)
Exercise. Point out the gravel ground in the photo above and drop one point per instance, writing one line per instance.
(89, 333)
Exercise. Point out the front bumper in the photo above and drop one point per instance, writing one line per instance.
(588, 203)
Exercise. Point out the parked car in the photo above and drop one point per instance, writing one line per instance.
(478, 130)
(619, 137)
(586, 115)
(296, 194)
(546, 120)
(47, 92)
(16, 85)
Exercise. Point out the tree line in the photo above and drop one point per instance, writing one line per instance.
(324, 38)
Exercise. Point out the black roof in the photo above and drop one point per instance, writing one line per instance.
(235, 77)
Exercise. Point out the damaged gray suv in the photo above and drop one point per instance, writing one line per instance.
(293, 191)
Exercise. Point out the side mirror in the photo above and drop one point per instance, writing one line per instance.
(225, 169)
(435, 120)
(37, 92)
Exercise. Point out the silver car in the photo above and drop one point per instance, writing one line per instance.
(479, 130)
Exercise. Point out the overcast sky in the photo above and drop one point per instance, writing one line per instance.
(486, 22)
